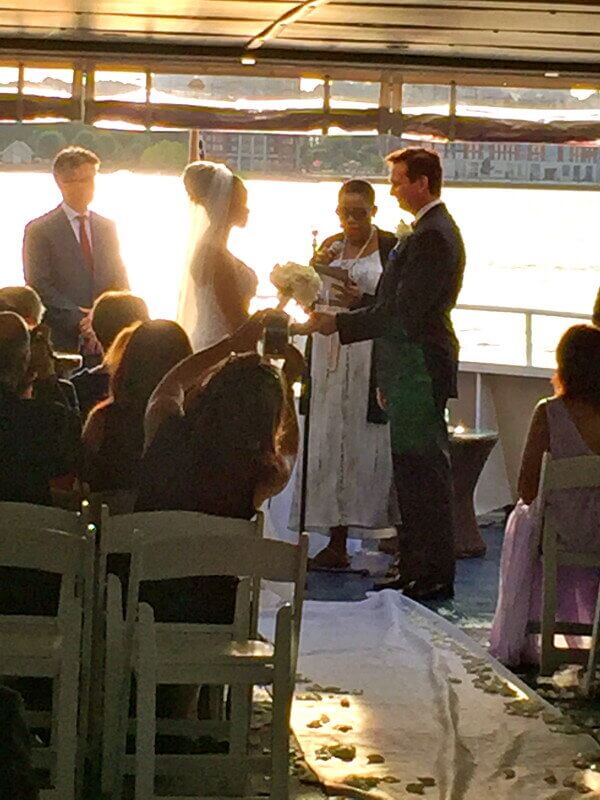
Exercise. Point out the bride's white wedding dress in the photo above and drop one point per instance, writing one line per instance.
(215, 284)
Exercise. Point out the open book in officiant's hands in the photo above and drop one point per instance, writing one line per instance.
(346, 295)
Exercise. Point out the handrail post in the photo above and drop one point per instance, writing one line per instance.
(529, 339)
(478, 390)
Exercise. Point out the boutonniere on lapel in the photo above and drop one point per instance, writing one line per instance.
(403, 231)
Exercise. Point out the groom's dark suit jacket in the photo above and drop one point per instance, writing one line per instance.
(54, 266)
(417, 291)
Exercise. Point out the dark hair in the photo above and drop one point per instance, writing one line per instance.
(578, 360)
(114, 311)
(72, 157)
(14, 349)
(153, 349)
(24, 301)
(420, 162)
(237, 418)
(358, 186)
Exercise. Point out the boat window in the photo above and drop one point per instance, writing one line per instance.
(501, 102)
(236, 91)
(354, 94)
(425, 98)
(126, 87)
(9, 80)
(48, 82)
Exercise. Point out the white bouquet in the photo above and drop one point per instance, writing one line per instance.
(296, 282)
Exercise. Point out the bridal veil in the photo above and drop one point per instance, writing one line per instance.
(210, 188)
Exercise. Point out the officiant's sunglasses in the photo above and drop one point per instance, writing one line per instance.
(359, 214)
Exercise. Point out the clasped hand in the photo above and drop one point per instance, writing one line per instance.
(322, 322)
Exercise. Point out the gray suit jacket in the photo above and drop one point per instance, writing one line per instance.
(53, 264)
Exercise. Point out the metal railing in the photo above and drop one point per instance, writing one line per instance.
(528, 314)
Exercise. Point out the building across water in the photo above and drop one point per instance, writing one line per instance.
(464, 162)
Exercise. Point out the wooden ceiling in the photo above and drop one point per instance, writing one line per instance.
(451, 36)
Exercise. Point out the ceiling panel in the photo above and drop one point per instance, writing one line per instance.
(465, 34)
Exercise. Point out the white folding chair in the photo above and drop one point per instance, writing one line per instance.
(117, 536)
(55, 647)
(561, 548)
(164, 653)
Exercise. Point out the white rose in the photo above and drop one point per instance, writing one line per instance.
(403, 230)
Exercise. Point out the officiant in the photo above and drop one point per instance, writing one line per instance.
(417, 366)
(350, 477)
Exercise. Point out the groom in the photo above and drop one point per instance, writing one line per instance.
(416, 359)
(71, 255)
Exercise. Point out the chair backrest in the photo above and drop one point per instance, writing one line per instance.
(18, 517)
(563, 475)
(581, 472)
(222, 553)
(118, 532)
(217, 553)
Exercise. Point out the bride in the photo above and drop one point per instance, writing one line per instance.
(217, 287)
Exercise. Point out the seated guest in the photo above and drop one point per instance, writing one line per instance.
(47, 385)
(113, 437)
(111, 313)
(25, 302)
(39, 451)
(566, 425)
(223, 438)
(39, 440)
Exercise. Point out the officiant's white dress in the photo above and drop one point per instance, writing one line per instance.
(350, 479)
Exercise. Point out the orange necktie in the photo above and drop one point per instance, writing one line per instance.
(84, 241)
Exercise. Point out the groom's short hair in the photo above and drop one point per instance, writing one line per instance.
(420, 162)
(72, 157)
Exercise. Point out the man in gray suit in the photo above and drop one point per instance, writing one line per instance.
(71, 255)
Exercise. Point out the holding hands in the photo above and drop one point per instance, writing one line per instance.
(319, 322)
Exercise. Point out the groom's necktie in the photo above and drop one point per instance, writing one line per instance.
(84, 242)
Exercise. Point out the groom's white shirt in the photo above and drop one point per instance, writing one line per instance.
(422, 211)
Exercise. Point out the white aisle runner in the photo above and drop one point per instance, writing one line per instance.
(428, 700)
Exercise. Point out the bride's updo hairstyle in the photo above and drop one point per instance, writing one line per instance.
(207, 183)
(578, 361)
(237, 421)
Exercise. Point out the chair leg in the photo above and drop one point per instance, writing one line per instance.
(241, 709)
(548, 650)
(145, 729)
(113, 679)
(590, 676)
(67, 711)
(282, 703)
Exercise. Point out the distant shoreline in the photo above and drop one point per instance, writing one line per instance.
(328, 178)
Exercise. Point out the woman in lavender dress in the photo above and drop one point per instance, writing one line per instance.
(566, 425)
